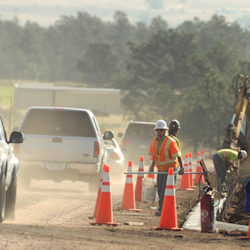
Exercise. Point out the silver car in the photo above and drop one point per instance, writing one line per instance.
(8, 173)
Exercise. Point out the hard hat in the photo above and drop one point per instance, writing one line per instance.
(161, 124)
(243, 154)
(175, 125)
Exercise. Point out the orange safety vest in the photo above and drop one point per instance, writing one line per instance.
(168, 153)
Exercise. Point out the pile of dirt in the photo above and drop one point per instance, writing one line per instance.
(235, 212)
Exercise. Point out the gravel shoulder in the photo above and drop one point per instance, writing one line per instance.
(56, 216)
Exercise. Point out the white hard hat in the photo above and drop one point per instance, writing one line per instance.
(161, 124)
(243, 154)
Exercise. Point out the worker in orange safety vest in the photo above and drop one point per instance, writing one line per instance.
(166, 154)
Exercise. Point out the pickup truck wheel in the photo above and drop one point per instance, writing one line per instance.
(2, 196)
(11, 198)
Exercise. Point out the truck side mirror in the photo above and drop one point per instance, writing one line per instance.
(16, 137)
(108, 135)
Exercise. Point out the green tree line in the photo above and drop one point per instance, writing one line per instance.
(167, 73)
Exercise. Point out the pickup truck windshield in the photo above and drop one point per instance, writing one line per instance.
(58, 122)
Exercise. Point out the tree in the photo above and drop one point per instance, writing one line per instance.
(209, 109)
(157, 69)
(98, 65)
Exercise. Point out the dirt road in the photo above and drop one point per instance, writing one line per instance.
(55, 216)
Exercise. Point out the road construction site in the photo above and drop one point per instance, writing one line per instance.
(58, 215)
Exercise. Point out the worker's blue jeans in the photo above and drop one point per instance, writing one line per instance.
(220, 168)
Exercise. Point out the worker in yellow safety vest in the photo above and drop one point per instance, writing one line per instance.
(225, 160)
(174, 127)
(166, 154)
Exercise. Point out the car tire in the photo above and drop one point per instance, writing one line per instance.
(11, 198)
(2, 196)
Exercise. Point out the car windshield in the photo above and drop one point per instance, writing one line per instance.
(58, 122)
(142, 131)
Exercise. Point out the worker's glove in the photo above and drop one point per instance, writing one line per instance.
(181, 171)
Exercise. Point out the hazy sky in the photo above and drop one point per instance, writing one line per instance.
(46, 12)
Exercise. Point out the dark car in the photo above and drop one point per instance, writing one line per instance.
(136, 140)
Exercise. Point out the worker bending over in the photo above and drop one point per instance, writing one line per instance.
(226, 159)
(166, 154)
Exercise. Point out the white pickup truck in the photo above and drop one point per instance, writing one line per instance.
(61, 143)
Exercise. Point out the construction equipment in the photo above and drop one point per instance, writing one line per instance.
(236, 135)
(237, 138)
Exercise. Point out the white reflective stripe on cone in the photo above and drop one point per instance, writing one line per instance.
(186, 168)
(141, 169)
(170, 190)
(203, 155)
(129, 180)
(105, 182)
(129, 169)
(170, 187)
(105, 187)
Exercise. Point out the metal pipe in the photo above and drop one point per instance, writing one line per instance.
(159, 173)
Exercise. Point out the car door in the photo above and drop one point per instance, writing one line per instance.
(4, 146)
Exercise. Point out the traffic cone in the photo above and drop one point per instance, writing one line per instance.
(168, 214)
(248, 234)
(152, 176)
(185, 180)
(128, 201)
(202, 154)
(104, 214)
(98, 196)
(140, 176)
(190, 163)
(199, 178)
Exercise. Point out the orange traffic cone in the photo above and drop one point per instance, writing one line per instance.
(98, 196)
(138, 186)
(168, 215)
(128, 201)
(185, 180)
(202, 154)
(152, 176)
(104, 214)
(199, 178)
(248, 234)
(190, 163)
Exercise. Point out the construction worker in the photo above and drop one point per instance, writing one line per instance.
(174, 127)
(226, 160)
(166, 154)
